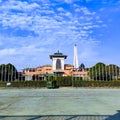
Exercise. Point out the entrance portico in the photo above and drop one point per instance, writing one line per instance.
(58, 63)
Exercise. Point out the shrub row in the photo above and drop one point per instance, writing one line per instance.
(20, 84)
(82, 83)
(64, 82)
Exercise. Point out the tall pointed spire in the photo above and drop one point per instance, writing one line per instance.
(75, 63)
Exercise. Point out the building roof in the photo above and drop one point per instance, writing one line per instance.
(47, 65)
(29, 69)
(58, 54)
(68, 65)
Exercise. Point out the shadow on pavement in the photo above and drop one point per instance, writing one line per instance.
(55, 117)
(61, 117)
(115, 116)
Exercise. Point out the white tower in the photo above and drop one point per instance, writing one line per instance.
(58, 61)
(75, 63)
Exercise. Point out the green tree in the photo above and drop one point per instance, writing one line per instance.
(82, 66)
(112, 71)
(98, 71)
(8, 72)
(102, 72)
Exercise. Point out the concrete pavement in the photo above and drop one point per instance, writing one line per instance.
(62, 104)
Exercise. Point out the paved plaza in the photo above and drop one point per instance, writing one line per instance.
(60, 104)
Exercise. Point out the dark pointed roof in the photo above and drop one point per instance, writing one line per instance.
(58, 54)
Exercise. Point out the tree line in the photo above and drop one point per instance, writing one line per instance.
(100, 71)
(8, 72)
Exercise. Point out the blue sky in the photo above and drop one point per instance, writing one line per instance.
(31, 30)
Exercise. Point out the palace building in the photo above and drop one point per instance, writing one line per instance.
(58, 68)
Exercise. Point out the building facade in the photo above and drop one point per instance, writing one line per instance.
(58, 68)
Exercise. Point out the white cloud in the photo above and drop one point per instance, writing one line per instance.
(68, 1)
(88, 0)
(52, 29)
(29, 50)
(86, 11)
(88, 49)
(60, 9)
(18, 5)
(90, 27)
(34, 21)
(9, 51)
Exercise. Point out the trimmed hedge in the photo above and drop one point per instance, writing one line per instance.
(100, 83)
(20, 84)
(63, 82)
(80, 82)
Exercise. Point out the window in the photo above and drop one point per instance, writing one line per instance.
(58, 64)
(48, 69)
